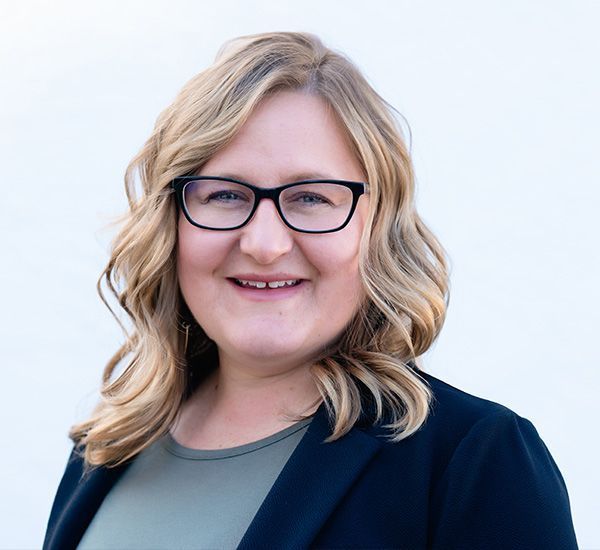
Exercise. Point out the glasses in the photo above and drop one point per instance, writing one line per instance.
(309, 206)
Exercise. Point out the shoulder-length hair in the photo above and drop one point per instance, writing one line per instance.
(403, 267)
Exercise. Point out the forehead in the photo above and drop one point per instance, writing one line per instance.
(290, 136)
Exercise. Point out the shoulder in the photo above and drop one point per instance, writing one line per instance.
(466, 427)
(452, 413)
(478, 463)
(463, 429)
(456, 411)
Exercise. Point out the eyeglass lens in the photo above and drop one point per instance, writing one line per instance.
(310, 207)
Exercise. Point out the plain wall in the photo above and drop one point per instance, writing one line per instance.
(503, 104)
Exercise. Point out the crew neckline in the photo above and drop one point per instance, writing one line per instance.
(176, 449)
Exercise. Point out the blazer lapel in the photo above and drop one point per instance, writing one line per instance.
(315, 478)
(77, 500)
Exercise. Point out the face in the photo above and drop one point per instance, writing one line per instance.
(289, 137)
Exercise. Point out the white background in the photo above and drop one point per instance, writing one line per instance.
(503, 102)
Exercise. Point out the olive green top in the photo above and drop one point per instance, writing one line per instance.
(175, 497)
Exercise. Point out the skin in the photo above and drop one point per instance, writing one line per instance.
(267, 348)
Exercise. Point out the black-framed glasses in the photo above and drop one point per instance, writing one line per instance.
(308, 206)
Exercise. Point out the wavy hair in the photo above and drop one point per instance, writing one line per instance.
(403, 267)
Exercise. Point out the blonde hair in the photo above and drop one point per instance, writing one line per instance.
(402, 265)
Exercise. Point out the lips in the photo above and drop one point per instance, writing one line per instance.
(266, 277)
(261, 290)
(267, 285)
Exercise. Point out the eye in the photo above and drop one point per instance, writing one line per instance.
(225, 196)
(309, 198)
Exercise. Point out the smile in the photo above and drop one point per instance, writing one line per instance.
(269, 291)
(264, 284)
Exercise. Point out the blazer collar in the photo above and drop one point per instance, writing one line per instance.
(314, 479)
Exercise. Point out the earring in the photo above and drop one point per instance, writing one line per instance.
(186, 326)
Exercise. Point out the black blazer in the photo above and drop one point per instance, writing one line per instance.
(475, 476)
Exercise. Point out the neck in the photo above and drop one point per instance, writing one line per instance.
(241, 403)
(239, 394)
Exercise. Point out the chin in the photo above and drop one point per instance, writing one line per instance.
(269, 347)
(270, 350)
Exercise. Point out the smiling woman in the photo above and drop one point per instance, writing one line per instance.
(266, 333)
(282, 288)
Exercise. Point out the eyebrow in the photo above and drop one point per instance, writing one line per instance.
(299, 176)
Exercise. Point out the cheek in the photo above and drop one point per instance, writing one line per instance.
(336, 254)
(199, 253)
(338, 263)
(336, 260)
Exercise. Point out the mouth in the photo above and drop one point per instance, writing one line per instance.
(269, 291)
(267, 286)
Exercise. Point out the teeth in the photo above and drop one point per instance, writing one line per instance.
(272, 284)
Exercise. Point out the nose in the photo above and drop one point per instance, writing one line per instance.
(265, 237)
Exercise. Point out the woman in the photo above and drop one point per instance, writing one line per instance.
(281, 288)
